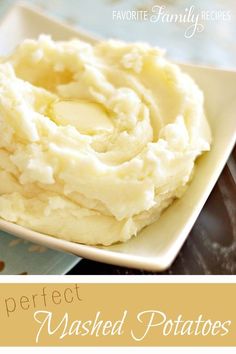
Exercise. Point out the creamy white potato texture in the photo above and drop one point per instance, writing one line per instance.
(95, 140)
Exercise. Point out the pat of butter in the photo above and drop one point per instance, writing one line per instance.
(86, 117)
(99, 173)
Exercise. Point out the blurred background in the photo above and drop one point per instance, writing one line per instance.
(215, 45)
(211, 247)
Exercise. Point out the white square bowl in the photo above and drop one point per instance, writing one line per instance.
(157, 245)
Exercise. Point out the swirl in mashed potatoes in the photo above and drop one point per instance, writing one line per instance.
(95, 140)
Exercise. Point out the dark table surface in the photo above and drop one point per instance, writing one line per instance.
(211, 245)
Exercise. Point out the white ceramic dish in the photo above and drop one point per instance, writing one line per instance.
(156, 246)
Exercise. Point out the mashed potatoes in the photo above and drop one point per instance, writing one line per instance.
(95, 141)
